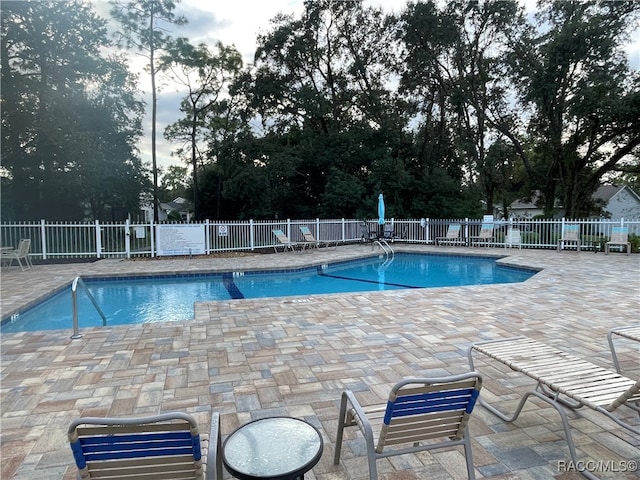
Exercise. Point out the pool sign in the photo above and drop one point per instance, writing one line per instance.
(185, 239)
(140, 232)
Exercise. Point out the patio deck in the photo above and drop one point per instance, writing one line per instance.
(294, 356)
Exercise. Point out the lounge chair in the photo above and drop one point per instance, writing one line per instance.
(452, 237)
(570, 234)
(388, 232)
(485, 236)
(619, 236)
(513, 238)
(630, 333)
(311, 241)
(285, 243)
(366, 234)
(19, 254)
(162, 446)
(419, 411)
(562, 381)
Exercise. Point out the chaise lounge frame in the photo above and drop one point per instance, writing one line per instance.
(452, 237)
(484, 237)
(312, 242)
(563, 381)
(570, 235)
(286, 244)
(619, 237)
(631, 332)
(21, 253)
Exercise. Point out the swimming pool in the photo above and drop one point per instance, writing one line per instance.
(144, 299)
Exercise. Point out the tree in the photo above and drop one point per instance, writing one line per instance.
(321, 87)
(584, 99)
(144, 28)
(479, 87)
(429, 85)
(66, 112)
(207, 76)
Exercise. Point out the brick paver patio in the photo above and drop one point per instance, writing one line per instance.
(294, 356)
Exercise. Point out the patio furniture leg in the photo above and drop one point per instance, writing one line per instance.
(555, 404)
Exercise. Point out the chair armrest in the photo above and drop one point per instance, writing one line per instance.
(214, 460)
(364, 424)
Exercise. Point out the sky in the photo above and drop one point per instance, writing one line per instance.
(238, 23)
(232, 22)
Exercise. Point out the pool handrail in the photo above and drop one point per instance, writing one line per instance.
(74, 301)
(386, 248)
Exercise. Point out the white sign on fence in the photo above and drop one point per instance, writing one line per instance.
(223, 230)
(187, 239)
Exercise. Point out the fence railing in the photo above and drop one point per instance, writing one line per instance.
(51, 240)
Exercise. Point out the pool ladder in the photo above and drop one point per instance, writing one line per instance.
(386, 248)
(74, 301)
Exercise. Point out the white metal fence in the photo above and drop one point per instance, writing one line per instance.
(125, 240)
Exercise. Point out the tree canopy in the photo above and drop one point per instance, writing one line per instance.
(70, 116)
(450, 109)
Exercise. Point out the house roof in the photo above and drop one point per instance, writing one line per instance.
(178, 205)
(607, 192)
(526, 203)
(604, 193)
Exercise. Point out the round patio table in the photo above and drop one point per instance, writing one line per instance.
(275, 448)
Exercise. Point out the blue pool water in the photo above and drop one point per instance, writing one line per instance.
(154, 299)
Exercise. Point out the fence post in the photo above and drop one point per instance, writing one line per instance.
(427, 236)
(127, 238)
(252, 237)
(152, 232)
(207, 237)
(43, 238)
(98, 239)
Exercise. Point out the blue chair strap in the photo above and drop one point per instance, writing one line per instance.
(424, 403)
(78, 455)
(137, 446)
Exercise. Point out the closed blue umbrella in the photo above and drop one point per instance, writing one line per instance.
(380, 216)
(380, 210)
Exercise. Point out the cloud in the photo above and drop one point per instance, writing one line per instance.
(238, 23)
(235, 22)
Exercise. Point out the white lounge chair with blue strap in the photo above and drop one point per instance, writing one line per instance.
(570, 235)
(166, 446)
(311, 241)
(484, 237)
(421, 414)
(452, 237)
(619, 237)
(285, 243)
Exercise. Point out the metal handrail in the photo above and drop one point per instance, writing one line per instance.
(74, 301)
(384, 245)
